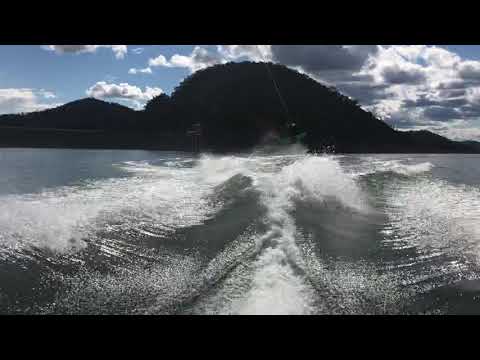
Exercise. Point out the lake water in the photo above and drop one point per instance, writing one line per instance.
(145, 232)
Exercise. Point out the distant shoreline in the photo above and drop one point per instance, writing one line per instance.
(186, 150)
(38, 138)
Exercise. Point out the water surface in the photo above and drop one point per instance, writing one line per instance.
(142, 232)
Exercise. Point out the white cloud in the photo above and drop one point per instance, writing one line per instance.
(24, 100)
(150, 92)
(123, 91)
(134, 71)
(138, 51)
(251, 52)
(439, 57)
(47, 94)
(469, 70)
(386, 108)
(119, 50)
(160, 60)
(199, 58)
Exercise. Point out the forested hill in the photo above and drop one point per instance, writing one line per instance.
(238, 105)
(84, 114)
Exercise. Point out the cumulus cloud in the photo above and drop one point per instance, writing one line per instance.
(160, 60)
(103, 90)
(123, 91)
(134, 71)
(250, 52)
(469, 70)
(24, 100)
(396, 75)
(199, 58)
(119, 50)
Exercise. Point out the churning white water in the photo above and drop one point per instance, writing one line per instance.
(277, 283)
(58, 219)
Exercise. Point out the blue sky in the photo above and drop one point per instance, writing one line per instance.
(411, 87)
(69, 75)
(470, 52)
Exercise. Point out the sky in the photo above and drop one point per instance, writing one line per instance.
(411, 87)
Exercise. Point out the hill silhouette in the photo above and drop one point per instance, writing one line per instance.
(239, 106)
(90, 113)
(472, 144)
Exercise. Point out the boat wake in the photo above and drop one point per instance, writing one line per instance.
(270, 233)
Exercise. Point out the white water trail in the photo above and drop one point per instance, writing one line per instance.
(374, 165)
(279, 284)
(406, 169)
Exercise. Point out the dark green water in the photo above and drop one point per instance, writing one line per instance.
(138, 232)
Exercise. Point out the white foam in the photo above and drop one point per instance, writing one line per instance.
(374, 165)
(321, 177)
(278, 285)
(58, 219)
(276, 289)
(408, 169)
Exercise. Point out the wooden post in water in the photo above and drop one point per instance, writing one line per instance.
(196, 133)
